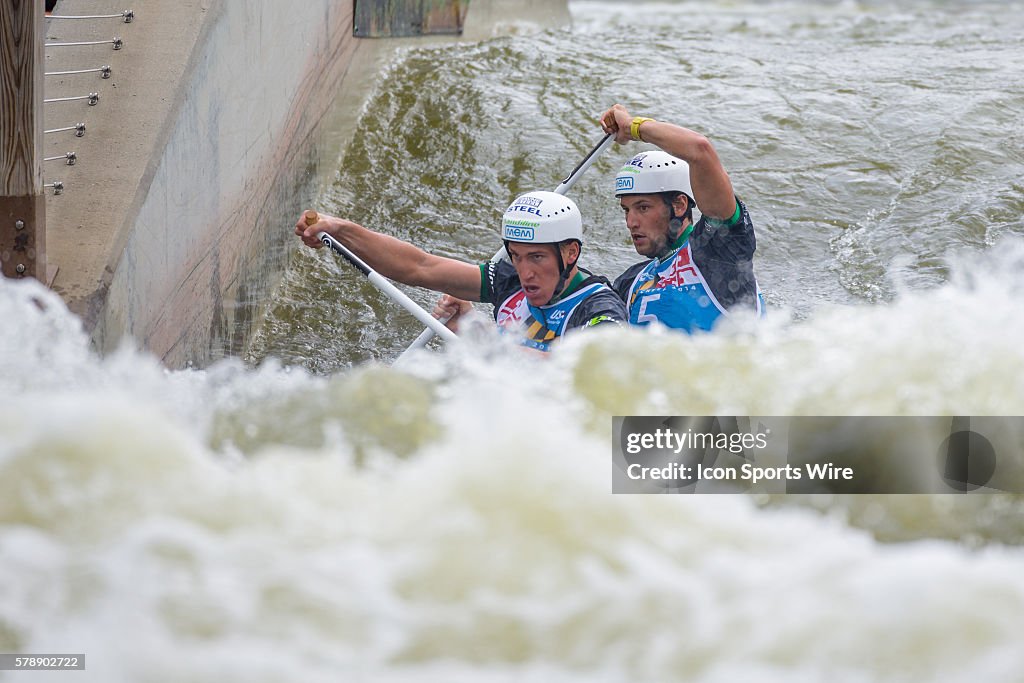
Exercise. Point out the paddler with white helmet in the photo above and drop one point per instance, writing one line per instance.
(683, 215)
(542, 292)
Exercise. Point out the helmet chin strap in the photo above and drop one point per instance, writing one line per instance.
(675, 228)
(563, 274)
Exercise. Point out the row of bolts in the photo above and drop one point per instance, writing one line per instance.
(93, 98)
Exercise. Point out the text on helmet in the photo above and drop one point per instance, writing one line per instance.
(638, 160)
(521, 223)
(517, 233)
(522, 207)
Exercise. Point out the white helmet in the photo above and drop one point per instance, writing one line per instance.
(542, 218)
(654, 172)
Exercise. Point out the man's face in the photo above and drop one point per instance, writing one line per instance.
(647, 218)
(537, 266)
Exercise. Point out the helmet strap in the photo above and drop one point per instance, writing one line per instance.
(675, 226)
(563, 274)
(675, 222)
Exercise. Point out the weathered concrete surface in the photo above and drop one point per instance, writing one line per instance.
(211, 136)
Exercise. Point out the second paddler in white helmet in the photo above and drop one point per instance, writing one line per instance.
(684, 217)
(541, 292)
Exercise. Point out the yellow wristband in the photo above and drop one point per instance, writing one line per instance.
(634, 128)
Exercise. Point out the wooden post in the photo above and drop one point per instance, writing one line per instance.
(22, 199)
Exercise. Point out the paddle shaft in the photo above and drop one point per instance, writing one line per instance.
(380, 282)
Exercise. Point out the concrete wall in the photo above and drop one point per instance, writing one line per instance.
(222, 121)
(207, 240)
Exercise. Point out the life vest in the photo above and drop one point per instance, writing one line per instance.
(541, 325)
(675, 293)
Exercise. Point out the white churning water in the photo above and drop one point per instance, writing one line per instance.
(453, 521)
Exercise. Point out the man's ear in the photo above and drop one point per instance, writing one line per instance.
(570, 251)
(680, 204)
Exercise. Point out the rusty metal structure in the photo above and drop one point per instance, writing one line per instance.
(398, 18)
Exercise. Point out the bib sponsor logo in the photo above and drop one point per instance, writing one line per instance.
(556, 316)
(514, 310)
(678, 277)
(682, 271)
